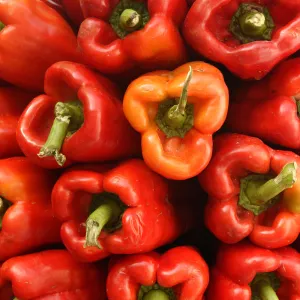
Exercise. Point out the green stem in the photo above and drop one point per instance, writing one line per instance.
(176, 115)
(68, 118)
(156, 295)
(107, 213)
(266, 291)
(4, 205)
(298, 106)
(15, 298)
(130, 19)
(2, 26)
(253, 23)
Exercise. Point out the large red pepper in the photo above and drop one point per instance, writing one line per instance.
(124, 210)
(177, 113)
(52, 274)
(270, 108)
(26, 218)
(248, 37)
(253, 191)
(89, 124)
(121, 35)
(180, 273)
(33, 37)
(244, 272)
(12, 103)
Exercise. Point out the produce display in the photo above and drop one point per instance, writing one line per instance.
(149, 150)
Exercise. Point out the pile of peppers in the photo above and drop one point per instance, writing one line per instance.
(149, 150)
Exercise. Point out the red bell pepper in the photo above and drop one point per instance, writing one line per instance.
(126, 34)
(12, 103)
(248, 37)
(246, 272)
(33, 37)
(253, 191)
(89, 124)
(53, 274)
(177, 113)
(180, 273)
(124, 210)
(73, 9)
(270, 109)
(26, 217)
(55, 4)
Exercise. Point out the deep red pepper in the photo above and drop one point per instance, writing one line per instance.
(52, 274)
(180, 273)
(244, 272)
(73, 9)
(137, 209)
(89, 124)
(248, 37)
(12, 103)
(245, 197)
(26, 218)
(33, 36)
(126, 34)
(270, 108)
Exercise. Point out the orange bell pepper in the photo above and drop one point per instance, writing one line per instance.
(177, 113)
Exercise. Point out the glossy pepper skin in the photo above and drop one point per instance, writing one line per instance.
(237, 268)
(240, 159)
(185, 153)
(180, 273)
(151, 214)
(97, 128)
(40, 27)
(221, 31)
(27, 220)
(269, 109)
(12, 103)
(149, 41)
(53, 274)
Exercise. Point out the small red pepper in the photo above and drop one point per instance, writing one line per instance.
(253, 191)
(248, 37)
(126, 34)
(89, 124)
(12, 103)
(124, 210)
(52, 274)
(246, 272)
(33, 36)
(180, 273)
(26, 218)
(270, 108)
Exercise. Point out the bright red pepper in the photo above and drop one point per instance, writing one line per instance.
(126, 34)
(33, 37)
(244, 272)
(53, 274)
(253, 191)
(12, 103)
(270, 108)
(137, 209)
(248, 37)
(180, 273)
(89, 124)
(26, 218)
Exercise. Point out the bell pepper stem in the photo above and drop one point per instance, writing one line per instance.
(156, 295)
(2, 26)
(273, 187)
(298, 106)
(253, 23)
(3, 208)
(130, 19)
(176, 115)
(266, 291)
(108, 212)
(66, 113)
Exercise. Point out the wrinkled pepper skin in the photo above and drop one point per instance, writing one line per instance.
(153, 216)
(28, 222)
(207, 30)
(181, 270)
(269, 108)
(237, 265)
(103, 134)
(53, 274)
(235, 158)
(156, 45)
(178, 157)
(12, 103)
(40, 27)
